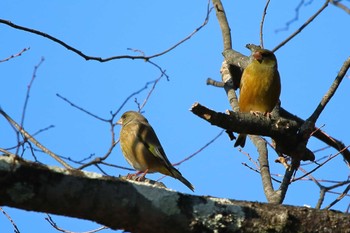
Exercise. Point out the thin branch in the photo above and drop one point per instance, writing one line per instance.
(54, 225)
(195, 153)
(133, 94)
(296, 17)
(262, 24)
(87, 57)
(302, 27)
(15, 55)
(200, 149)
(33, 140)
(16, 230)
(333, 88)
(249, 158)
(341, 196)
(81, 109)
(29, 87)
(154, 85)
(99, 159)
(21, 143)
(320, 165)
(340, 5)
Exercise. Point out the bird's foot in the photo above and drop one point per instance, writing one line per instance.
(131, 176)
(138, 176)
(282, 160)
(256, 113)
(268, 115)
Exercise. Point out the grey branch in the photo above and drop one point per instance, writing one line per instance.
(138, 207)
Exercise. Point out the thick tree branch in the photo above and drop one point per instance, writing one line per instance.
(247, 123)
(283, 129)
(141, 208)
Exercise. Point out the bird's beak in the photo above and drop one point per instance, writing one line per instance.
(119, 122)
(257, 56)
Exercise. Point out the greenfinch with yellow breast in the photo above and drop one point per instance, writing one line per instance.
(260, 86)
(142, 149)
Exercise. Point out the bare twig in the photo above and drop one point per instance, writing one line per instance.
(320, 165)
(249, 158)
(100, 159)
(324, 190)
(200, 149)
(333, 88)
(296, 17)
(340, 5)
(81, 109)
(262, 24)
(302, 27)
(54, 225)
(29, 87)
(195, 153)
(34, 134)
(258, 171)
(341, 196)
(15, 55)
(16, 230)
(87, 57)
(131, 95)
(33, 140)
(154, 85)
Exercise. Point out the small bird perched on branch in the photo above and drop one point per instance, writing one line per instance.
(142, 149)
(260, 85)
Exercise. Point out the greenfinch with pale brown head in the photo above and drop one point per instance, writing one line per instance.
(142, 149)
(260, 86)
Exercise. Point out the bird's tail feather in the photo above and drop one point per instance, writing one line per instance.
(176, 174)
(241, 140)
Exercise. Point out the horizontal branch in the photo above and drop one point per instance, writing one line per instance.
(283, 129)
(137, 207)
(248, 123)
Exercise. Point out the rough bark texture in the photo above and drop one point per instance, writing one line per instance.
(137, 207)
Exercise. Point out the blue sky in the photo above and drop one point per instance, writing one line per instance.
(308, 65)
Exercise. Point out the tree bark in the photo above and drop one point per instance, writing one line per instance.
(141, 207)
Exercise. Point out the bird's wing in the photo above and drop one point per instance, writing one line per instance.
(149, 138)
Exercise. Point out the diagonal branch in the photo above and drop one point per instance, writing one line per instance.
(333, 88)
(302, 27)
(32, 139)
